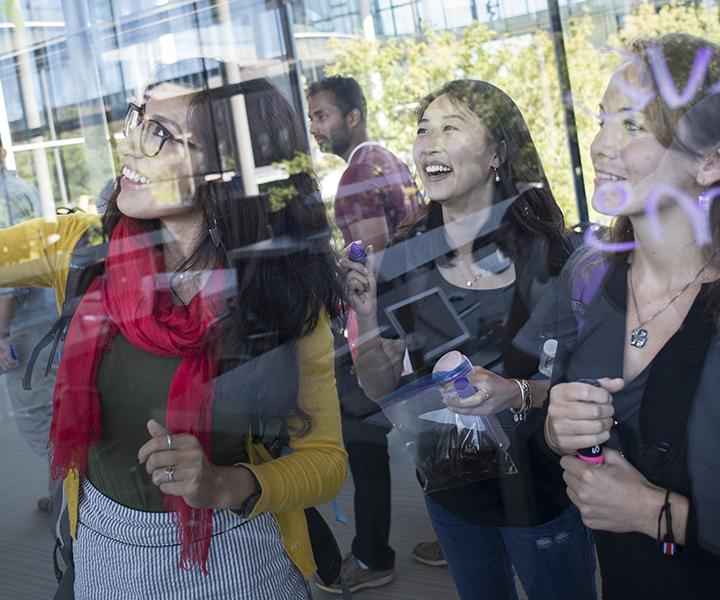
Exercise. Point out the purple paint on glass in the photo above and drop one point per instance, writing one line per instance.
(619, 187)
(625, 195)
(463, 387)
(691, 207)
(639, 98)
(664, 80)
(357, 253)
(593, 241)
(715, 89)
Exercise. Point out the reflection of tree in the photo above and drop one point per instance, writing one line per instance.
(74, 161)
(523, 66)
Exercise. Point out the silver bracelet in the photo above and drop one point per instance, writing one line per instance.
(526, 395)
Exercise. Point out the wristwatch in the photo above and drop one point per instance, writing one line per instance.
(248, 506)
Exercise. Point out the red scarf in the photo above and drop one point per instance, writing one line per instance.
(131, 298)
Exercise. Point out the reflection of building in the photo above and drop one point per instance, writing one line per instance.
(67, 67)
(392, 18)
(408, 17)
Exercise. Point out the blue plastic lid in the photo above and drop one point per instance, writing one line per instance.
(463, 387)
(357, 252)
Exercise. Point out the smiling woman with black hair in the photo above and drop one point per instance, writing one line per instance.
(491, 239)
(203, 333)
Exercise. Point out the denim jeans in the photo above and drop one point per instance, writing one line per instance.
(554, 561)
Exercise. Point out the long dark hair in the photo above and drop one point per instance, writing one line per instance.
(278, 242)
(534, 211)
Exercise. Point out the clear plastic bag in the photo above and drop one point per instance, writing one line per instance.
(449, 450)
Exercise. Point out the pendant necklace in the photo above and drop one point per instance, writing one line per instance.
(639, 335)
(480, 275)
(499, 260)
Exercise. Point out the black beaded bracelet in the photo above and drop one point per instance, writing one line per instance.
(668, 547)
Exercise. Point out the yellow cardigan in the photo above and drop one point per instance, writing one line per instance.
(37, 253)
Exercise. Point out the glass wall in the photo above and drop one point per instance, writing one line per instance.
(69, 70)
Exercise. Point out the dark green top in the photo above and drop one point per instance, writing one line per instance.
(133, 387)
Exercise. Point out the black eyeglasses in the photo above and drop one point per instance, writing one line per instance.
(153, 134)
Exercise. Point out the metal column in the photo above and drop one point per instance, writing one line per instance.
(569, 111)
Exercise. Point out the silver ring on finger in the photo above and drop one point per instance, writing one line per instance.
(170, 473)
(486, 394)
(169, 441)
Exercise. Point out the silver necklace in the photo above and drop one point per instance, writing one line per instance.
(483, 273)
(480, 275)
(639, 335)
(499, 258)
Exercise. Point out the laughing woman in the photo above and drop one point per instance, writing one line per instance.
(194, 338)
(649, 333)
(491, 238)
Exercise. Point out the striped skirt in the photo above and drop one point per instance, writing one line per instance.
(125, 554)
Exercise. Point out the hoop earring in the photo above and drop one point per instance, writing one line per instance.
(497, 175)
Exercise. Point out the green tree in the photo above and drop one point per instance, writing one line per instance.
(396, 73)
(591, 65)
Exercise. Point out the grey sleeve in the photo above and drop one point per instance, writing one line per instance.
(551, 318)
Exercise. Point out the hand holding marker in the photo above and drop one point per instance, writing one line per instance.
(357, 253)
(594, 454)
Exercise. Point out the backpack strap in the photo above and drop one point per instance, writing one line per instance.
(587, 277)
(87, 253)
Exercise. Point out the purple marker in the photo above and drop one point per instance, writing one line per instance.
(594, 454)
(463, 387)
(357, 253)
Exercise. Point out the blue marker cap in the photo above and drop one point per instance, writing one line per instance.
(463, 387)
(357, 253)
(14, 353)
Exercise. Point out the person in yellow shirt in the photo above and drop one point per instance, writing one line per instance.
(202, 333)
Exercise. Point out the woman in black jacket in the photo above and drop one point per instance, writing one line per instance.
(648, 332)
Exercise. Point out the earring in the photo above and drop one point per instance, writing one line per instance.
(215, 234)
(706, 199)
(497, 176)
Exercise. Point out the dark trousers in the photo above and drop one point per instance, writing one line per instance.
(367, 449)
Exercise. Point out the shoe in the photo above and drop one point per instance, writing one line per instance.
(45, 505)
(356, 578)
(429, 553)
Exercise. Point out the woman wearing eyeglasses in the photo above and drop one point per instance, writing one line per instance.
(196, 338)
